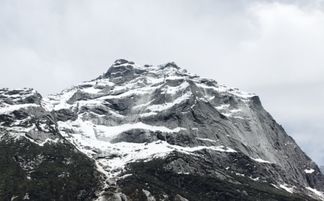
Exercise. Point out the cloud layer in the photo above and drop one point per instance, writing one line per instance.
(272, 48)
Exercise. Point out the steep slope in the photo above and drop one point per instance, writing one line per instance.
(160, 133)
(36, 163)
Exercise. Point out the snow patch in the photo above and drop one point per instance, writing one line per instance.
(165, 106)
(91, 90)
(316, 192)
(239, 174)
(287, 188)
(177, 89)
(57, 102)
(205, 139)
(148, 114)
(226, 111)
(94, 140)
(48, 140)
(223, 107)
(309, 171)
(255, 179)
(260, 160)
(224, 89)
(183, 173)
(107, 133)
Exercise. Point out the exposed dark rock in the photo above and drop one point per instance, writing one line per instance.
(65, 115)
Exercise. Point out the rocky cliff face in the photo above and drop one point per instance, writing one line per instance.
(153, 133)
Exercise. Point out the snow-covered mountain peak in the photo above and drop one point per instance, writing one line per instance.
(140, 113)
(123, 70)
(122, 62)
(151, 88)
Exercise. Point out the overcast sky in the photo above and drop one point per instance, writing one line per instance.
(272, 48)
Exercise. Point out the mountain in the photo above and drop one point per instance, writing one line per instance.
(148, 133)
